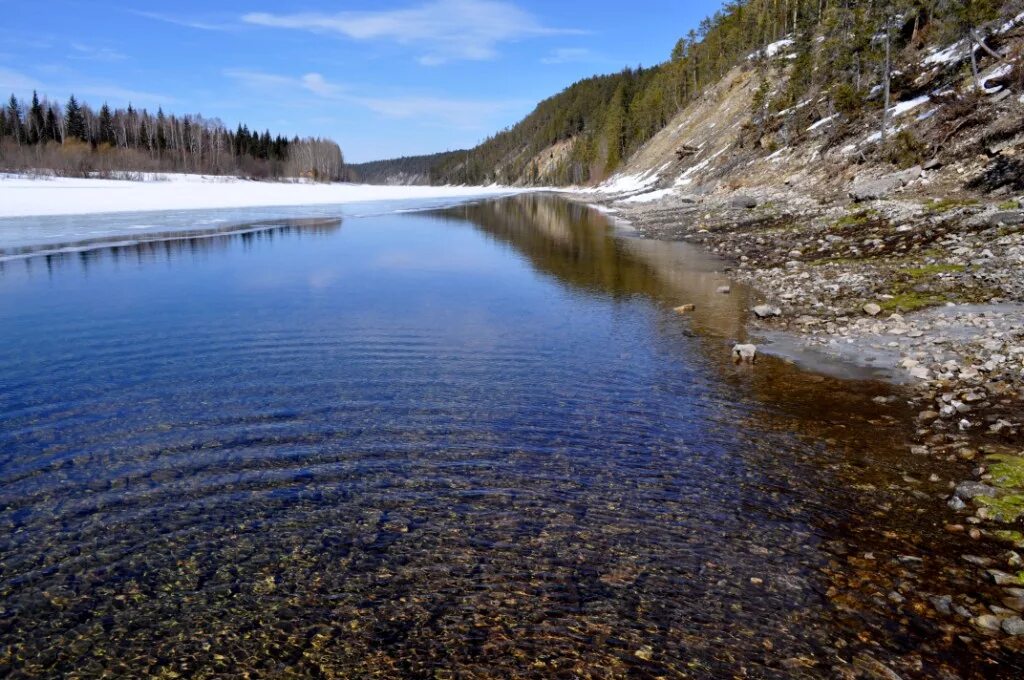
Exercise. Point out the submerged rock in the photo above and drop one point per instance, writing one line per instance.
(920, 372)
(1013, 626)
(943, 604)
(1001, 578)
(745, 353)
(871, 667)
(987, 622)
(971, 490)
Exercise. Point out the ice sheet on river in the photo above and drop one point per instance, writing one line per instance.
(64, 212)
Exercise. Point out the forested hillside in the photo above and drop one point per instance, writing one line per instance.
(408, 170)
(74, 139)
(846, 56)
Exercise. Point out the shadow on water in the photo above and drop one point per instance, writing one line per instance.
(473, 443)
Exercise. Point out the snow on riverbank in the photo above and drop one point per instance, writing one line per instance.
(22, 196)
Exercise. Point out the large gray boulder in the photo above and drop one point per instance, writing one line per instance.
(743, 202)
(874, 189)
(1006, 218)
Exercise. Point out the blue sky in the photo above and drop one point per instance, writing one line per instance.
(382, 78)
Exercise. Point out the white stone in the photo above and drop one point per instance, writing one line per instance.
(744, 353)
(766, 311)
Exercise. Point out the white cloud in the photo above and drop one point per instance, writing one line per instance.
(91, 92)
(260, 80)
(181, 21)
(315, 83)
(12, 81)
(569, 55)
(311, 82)
(83, 51)
(119, 95)
(442, 30)
(465, 114)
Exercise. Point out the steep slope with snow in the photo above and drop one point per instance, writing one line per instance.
(966, 135)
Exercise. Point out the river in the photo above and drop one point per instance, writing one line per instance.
(465, 442)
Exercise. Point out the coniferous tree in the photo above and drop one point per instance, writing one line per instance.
(36, 122)
(106, 132)
(14, 125)
(614, 128)
(161, 136)
(264, 152)
(74, 120)
(143, 138)
(186, 134)
(238, 147)
(51, 131)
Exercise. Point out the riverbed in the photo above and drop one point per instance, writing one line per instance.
(469, 441)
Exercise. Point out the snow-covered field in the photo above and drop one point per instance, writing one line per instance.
(29, 197)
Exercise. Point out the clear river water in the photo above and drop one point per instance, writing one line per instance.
(459, 443)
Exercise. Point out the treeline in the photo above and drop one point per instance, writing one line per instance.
(74, 139)
(837, 60)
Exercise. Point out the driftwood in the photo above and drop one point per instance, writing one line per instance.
(685, 151)
(980, 42)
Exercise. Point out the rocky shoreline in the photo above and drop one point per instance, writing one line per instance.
(929, 292)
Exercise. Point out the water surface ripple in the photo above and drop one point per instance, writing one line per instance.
(475, 443)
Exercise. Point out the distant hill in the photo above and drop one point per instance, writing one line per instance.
(407, 171)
